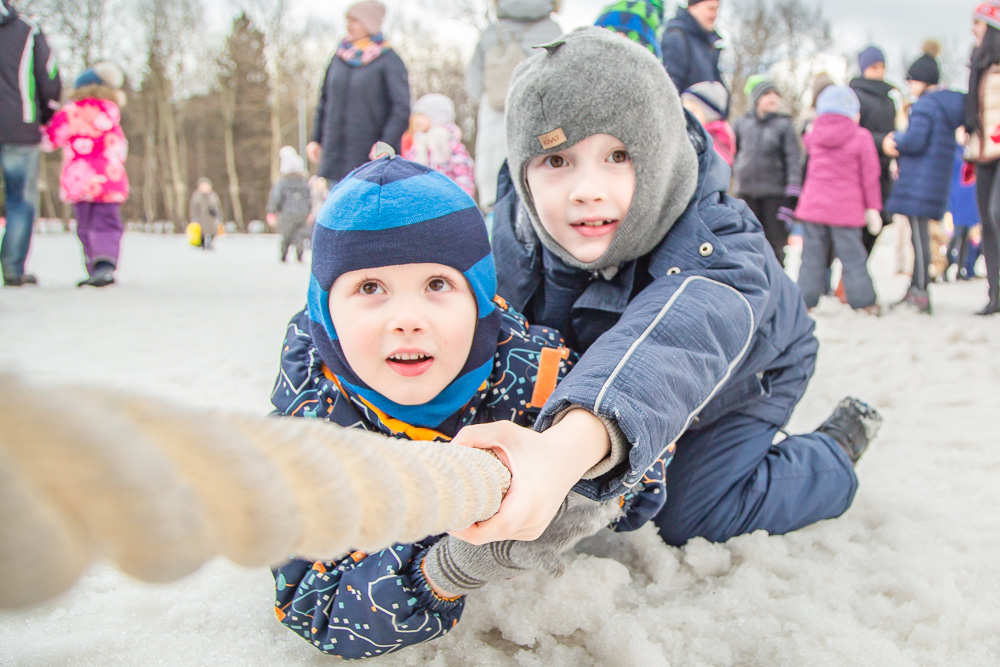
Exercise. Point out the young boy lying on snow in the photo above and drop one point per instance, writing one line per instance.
(614, 227)
(404, 335)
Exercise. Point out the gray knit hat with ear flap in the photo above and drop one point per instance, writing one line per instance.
(592, 81)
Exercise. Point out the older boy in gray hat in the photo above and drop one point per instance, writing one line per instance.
(615, 226)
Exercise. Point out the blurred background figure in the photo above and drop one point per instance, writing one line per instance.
(520, 26)
(708, 101)
(290, 203)
(365, 96)
(691, 46)
(29, 94)
(638, 20)
(205, 210)
(436, 141)
(94, 181)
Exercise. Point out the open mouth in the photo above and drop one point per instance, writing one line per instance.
(595, 227)
(409, 364)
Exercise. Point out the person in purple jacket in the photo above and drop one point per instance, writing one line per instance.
(841, 195)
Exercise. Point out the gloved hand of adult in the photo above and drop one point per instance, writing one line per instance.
(873, 221)
(457, 567)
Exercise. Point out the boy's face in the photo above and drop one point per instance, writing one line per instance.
(406, 330)
(769, 102)
(583, 193)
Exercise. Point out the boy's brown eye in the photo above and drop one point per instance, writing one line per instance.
(437, 285)
(369, 288)
(556, 161)
(620, 155)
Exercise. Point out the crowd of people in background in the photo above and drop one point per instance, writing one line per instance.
(365, 98)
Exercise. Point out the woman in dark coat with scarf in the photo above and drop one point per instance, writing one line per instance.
(365, 96)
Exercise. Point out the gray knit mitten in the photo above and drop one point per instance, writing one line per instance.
(460, 567)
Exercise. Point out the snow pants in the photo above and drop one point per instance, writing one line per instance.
(19, 165)
(729, 479)
(820, 243)
(988, 196)
(99, 226)
(766, 210)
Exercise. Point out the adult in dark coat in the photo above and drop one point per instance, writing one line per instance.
(690, 44)
(29, 94)
(878, 116)
(365, 97)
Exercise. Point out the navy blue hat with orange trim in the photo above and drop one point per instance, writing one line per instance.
(392, 211)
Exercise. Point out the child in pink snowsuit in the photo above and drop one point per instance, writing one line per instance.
(708, 101)
(437, 141)
(841, 196)
(88, 129)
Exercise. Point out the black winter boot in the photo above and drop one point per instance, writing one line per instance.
(853, 425)
(104, 275)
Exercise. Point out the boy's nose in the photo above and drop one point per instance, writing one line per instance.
(407, 320)
(588, 186)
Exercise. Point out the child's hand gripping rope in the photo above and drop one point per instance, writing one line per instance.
(458, 567)
(160, 489)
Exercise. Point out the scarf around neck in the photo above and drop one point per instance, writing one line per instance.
(363, 51)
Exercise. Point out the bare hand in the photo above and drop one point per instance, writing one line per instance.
(314, 151)
(889, 145)
(543, 467)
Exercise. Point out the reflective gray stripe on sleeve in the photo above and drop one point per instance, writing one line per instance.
(656, 321)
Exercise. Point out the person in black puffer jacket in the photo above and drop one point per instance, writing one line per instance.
(768, 163)
(878, 116)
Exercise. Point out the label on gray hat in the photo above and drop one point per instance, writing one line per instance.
(552, 139)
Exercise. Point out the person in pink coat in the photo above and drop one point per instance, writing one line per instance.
(88, 129)
(840, 197)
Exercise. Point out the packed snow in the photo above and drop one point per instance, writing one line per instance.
(908, 576)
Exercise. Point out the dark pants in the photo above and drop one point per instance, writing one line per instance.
(99, 227)
(920, 236)
(766, 210)
(820, 244)
(988, 196)
(19, 165)
(728, 479)
(958, 251)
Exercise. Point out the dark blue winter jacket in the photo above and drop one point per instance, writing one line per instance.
(926, 154)
(705, 325)
(358, 106)
(29, 79)
(364, 605)
(690, 53)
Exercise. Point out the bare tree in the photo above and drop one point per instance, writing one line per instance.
(781, 37)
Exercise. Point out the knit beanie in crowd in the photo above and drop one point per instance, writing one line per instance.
(693, 2)
(639, 20)
(101, 74)
(582, 85)
(757, 86)
(838, 100)
(713, 97)
(925, 68)
(369, 13)
(870, 56)
(290, 162)
(393, 211)
(989, 13)
(438, 108)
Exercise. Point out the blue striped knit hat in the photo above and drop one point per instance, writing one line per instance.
(393, 211)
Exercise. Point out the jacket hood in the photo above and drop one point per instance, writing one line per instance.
(688, 24)
(831, 130)
(7, 13)
(871, 86)
(951, 102)
(525, 10)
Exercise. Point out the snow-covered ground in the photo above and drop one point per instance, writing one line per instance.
(909, 576)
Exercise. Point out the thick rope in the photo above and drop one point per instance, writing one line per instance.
(160, 489)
